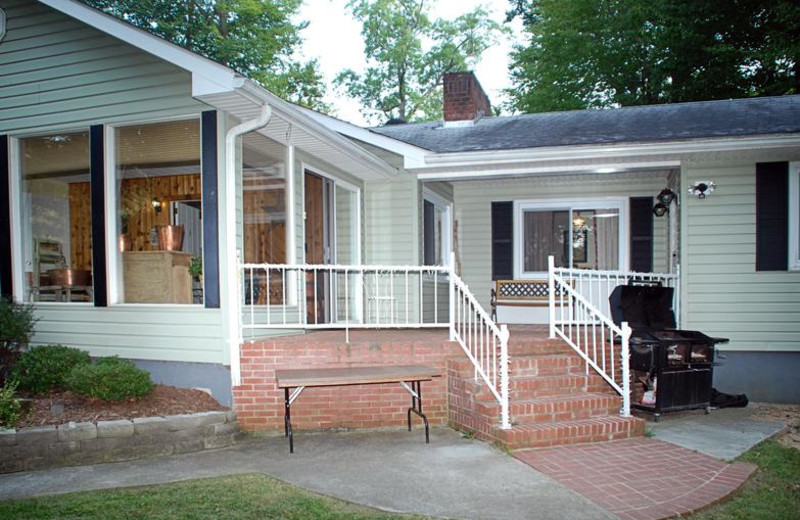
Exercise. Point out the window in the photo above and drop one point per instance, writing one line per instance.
(56, 217)
(159, 211)
(586, 235)
(436, 229)
(794, 216)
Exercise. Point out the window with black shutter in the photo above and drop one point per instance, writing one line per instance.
(772, 216)
(641, 227)
(502, 240)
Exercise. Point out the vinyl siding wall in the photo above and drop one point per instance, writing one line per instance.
(57, 74)
(723, 294)
(473, 214)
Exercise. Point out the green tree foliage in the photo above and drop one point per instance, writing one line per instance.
(601, 53)
(408, 53)
(254, 37)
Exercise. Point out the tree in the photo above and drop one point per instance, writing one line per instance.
(255, 37)
(408, 54)
(602, 53)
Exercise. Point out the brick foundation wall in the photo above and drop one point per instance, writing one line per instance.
(259, 403)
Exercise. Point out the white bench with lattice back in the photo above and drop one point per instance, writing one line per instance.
(521, 293)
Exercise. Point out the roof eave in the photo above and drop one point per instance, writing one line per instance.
(442, 166)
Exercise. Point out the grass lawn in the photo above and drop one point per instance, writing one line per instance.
(251, 496)
(773, 493)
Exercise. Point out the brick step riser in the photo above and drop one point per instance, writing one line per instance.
(531, 388)
(561, 434)
(526, 413)
(529, 366)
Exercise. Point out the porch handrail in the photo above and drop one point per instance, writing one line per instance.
(484, 343)
(585, 328)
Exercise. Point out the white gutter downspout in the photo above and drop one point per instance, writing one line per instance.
(232, 252)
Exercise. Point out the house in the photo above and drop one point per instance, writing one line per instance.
(319, 239)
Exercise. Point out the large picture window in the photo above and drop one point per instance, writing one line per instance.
(585, 235)
(159, 212)
(56, 217)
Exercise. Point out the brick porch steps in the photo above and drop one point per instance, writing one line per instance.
(552, 399)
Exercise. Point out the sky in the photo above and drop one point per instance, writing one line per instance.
(334, 38)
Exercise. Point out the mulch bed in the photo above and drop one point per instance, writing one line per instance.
(64, 407)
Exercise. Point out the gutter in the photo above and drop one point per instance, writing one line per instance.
(232, 252)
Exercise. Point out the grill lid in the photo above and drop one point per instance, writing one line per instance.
(643, 306)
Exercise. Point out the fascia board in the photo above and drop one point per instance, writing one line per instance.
(606, 152)
(528, 170)
(413, 156)
(294, 115)
(208, 76)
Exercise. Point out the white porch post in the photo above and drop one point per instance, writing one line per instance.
(626, 378)
(452, 294)
(551, 293)
(504, 390)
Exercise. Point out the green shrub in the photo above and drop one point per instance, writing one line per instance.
(9, 407)
(16, 328)
(41, 369)
(110, 379)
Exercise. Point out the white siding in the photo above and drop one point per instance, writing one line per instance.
(723, 294)
(473, 202)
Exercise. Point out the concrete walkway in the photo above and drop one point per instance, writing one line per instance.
(396, 471)
(723, 434)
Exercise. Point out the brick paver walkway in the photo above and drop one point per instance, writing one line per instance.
(642, 479)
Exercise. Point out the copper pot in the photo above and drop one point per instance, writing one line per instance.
(70, 276)
(170, 238)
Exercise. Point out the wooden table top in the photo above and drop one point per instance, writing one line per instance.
(292, 378)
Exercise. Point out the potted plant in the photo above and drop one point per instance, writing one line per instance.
(196, 272)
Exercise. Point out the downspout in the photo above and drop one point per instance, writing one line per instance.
(232, 252)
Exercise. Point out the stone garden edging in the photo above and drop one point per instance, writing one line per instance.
(74, 444)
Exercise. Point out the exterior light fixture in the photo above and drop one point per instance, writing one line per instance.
(660, 209)
(666, 196)
(578, 222)
(702, 189)
(156, 205)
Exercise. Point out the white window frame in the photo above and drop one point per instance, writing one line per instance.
(794, 216)
(18, 267)
(115, 284)
(447, 223)
(619, 203)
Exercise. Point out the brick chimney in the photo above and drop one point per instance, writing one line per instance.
(464, 98)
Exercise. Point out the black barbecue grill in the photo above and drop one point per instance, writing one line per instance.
(675, 366)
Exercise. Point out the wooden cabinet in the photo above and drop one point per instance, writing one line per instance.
(157, 277)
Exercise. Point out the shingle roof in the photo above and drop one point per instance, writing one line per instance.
(706, 119)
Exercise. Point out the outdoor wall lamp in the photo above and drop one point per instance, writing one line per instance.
(702, 189)
(156, 205)
(660, 209)
(666, 196)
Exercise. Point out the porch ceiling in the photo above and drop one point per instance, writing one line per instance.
(290, 127)
(569, 178)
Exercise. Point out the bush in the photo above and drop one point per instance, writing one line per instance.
(110, 379)
(9, 407)
(16, 329)
(41, 369)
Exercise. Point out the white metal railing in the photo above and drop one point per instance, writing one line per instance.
(302, 296)
(580, 313)
(484, 343)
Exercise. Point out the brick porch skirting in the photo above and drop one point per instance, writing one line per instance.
(259, 403)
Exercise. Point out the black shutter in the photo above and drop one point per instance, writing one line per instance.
(98, 205)
(772, 216)
(208, 165)
(502, 240)
(6, 288)
(641, 227)
(428, 234)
